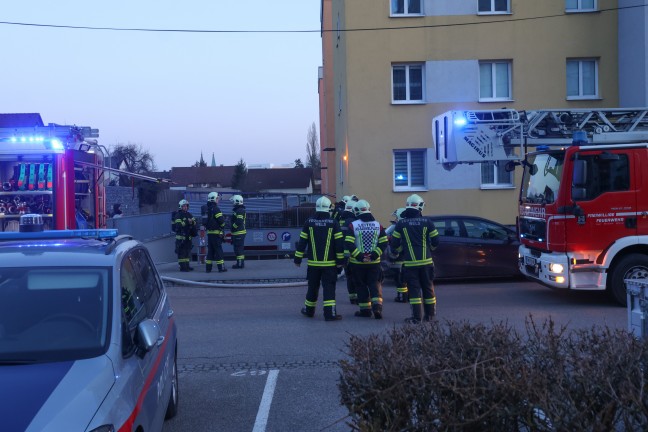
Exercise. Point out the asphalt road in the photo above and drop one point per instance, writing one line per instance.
(248, 360)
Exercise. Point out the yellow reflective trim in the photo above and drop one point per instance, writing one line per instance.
(415, 301)
(312, 239)
(409, 243)
(329, 303)
(424, 244)
(310, 303)
(328, 242)
(430, 301)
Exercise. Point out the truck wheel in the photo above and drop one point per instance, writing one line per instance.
(633, 266)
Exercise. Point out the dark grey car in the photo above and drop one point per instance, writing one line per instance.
(474, 247)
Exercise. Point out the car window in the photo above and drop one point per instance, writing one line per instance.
(133, 309)
(479, 229)
(447, 227)
(149, 291)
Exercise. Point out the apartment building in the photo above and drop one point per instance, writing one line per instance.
(390, 66)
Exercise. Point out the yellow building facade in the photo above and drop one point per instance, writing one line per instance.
(391, 66)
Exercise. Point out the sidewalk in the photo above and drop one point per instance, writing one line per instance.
(262, 270)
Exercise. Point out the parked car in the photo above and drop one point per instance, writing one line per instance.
(473, 247)
(87, 334)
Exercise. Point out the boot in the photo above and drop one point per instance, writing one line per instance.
(330, 314)
(377, 311)
(208, 268)
(430, 312)
(353, 298)
(363, 313)
(308, 311)
(238, 265)
(417, 312)
(221, 268)
(399, 298)
(184, 267)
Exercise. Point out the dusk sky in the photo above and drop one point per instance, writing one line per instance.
(237, 95)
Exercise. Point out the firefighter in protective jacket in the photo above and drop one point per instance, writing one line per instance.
(416, 237)
(346, 218)
(399, 273)
(184, 226)
(322, 238)
(215, 225)
(366, 242)
(238, 231)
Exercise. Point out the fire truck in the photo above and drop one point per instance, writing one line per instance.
(583, 203)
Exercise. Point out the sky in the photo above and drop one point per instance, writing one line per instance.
(250, 96)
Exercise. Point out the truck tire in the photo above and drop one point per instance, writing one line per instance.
(632, 266)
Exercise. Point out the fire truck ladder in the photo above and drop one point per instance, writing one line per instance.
(601, 126)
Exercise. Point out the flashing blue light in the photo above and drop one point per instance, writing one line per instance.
(13, 139)
(56, 144)
(460, 121)
(60, 234)
(23, 139)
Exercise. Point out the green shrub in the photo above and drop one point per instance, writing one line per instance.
(457, 376)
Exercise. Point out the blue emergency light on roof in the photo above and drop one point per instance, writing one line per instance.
(59, 234)
(460, 121)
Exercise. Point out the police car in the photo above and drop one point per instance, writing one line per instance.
(87, 335)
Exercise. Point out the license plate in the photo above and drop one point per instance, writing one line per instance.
(530, 261)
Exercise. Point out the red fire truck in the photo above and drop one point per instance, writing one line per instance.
(583, 204)
(52, 170)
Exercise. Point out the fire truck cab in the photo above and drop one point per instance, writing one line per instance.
(51, 170)
(583, 204)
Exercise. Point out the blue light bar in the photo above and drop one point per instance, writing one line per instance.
(60, 234)
(460, 121)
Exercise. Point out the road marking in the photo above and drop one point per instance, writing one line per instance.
(264, 408)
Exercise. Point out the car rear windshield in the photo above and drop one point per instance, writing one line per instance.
(53, 314)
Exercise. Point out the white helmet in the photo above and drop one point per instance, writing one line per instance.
(182, 203)
(398, 213)
(416, 202)
(354, 198)
(212, 197)
(361, 207)
(237, 199)
(346, 198)
(323, 204)
(348, 205)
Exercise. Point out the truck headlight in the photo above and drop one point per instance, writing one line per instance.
(556, 268)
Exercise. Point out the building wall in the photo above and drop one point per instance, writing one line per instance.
(633, 56)
(450, 40)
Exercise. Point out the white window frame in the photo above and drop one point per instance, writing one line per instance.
(492, 10)
(498, 183)
(409, 186)
(580, 95)
(494, 97)
(579, 7)
(408, 99)
(406, 8)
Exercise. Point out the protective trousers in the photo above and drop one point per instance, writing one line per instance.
(350, 283)
(420, 281)
(327, 277)
(368, 282)
(214, 251)
(183, 249)
(238, 243)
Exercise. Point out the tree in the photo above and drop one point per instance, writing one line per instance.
(240, 173)
(312, 149)
(133, 158)
(299, 163)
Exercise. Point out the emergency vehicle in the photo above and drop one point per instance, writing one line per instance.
(583, 204)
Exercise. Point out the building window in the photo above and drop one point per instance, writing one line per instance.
(495, 81)
(582, 79)
(409, 169)
(494, 175)
(407, 83)
(580, 5)
(406, 7)
(494, 6)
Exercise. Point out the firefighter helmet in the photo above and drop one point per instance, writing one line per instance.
(415, 201)
(398, 213)
(361, 207)
(183, 202)
(323, 204)
(354, 198)
(212, 197)
(237, 199)
(346, 198)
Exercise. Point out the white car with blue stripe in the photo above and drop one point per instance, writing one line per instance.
(87, 334)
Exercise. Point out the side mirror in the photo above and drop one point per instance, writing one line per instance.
(579, 180)
(148, 335)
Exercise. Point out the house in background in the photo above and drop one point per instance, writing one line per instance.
(381, 87)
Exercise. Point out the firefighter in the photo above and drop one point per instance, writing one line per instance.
(215, 225)
(366, 242)
(323, 238)
(184, 225)
(416, 237)
(346, 217)
(399, 271)
(238, 231)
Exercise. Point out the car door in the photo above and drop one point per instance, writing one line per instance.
(449, 257)
(491, 249)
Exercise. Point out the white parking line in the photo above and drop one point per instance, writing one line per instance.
(264, 408)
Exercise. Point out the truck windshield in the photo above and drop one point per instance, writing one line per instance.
(542, 178)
